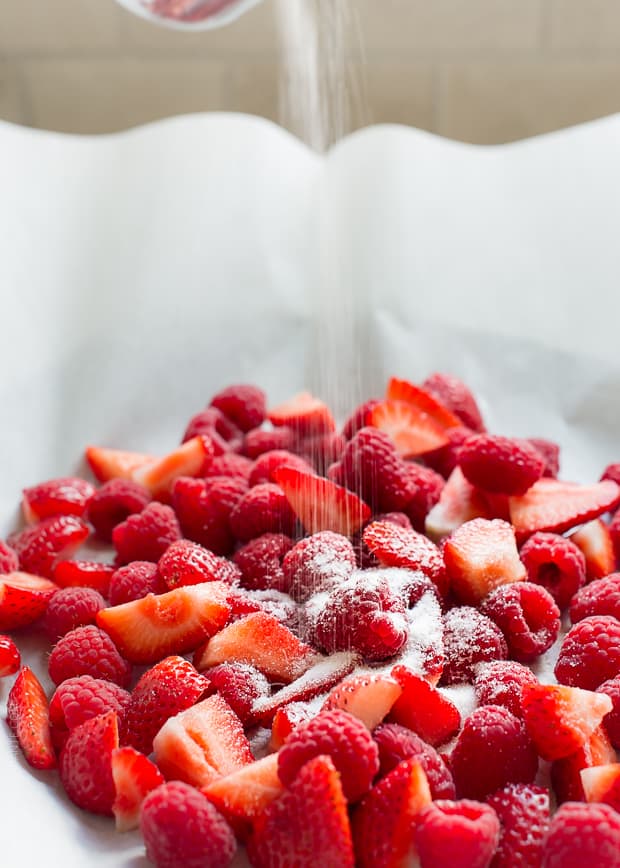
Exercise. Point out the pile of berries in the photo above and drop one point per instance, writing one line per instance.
(273, 655)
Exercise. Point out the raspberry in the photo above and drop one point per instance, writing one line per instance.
(363, 615)
(135, 581)
(9, 561)
(611, 721)
(203, 507)
(500, 465)
(180, 826)
(457, 397)
(70, 608)
(550, 453)
(266, 463)
(446, 458)
(9, 656)
(397, 743)
(359, 418)
(320, 562)
(240, 685)
(527, 616)
(582, 834)
(82, 697)
(500, 683)
(523, 812)
(40, 547)
(257, 442)
(230, 464)
(324, 450)
(114, 502)
(602, 597)
(260, 562)
(147, 535)
(493, 749)
(187, 563)
(344, 739)
(88, 651)
(224, 434)
(427, 487)
(263, 509)
(590, 653)
(245, 406)
(469, 638)
(459, 834)
(614, 532)
(556, 563)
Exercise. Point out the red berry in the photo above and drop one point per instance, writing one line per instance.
(469, 638)
(9, 561)
(397, 743)
(583, 834)
(590, 653)
(40, 547)
(147, 535)
(224, 434)
(268, 462)
(84, 574)
(321, 452)
(527, 616)
(556, 563)
(320, 562)
(523, 812)
(459, 834)
(427, 488)
(500, 683)
(230, 464)
(398, 547)
(240, 685)
(187, 563)
(9, 656)
(263, 509)
(27, 717)
(257, 442)
(457, 397)
(203, 507)
(611, 721)
(359, 418)
(601, 597)
(245, 406)
(67, 496)
(306, 415)
(446, 458)
(493, 749)
(70, 608)
(85, 764)
(556, 506)
(550, 453)
(500, 465)
(115, 501)
(81, 698)
(260, 562)
(88, 651)
(134, 581)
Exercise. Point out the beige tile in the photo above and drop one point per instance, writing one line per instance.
(11, 103)
(105, 95)
(253, 87)
(584, 25)
(58, 26)
(497, 102)
(400, 93)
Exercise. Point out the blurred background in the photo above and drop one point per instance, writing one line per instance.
(477, 70)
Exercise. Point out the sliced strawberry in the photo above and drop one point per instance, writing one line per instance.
(423, 709)
(480, 556)
(189, 459)
(84, 574)
(385, 821)
(426, 402)
(602, 784)
(244, 795)
(396, 546)
(134, 777)
(558, 506)
(308, 824)
(306, 415)
(566, 772)
(109, 464)
(41, 546)
(23, 599)
(459, 502)
(155, 626)
(412, 431)
(27, 715)
(9, 657)
(321, 504)
(203, 743)
(560, 719)
(594, 540)
(424, 652)
(287, 719)
(85, 763)
(367, 697)
(68, 496)
(262, 641)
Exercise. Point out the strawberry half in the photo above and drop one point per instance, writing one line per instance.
(396, 546)
(425, 401)
(321, 504)
(412, 431)
(190, 459)
(68, 496)
(594, 540)
(306, 415)
(134, 777)
(23, 599)
(27, 716)
(556, 506)
(245, 794)
(423, 709)
(85, 764)
(566, 772)
(109, 464)
(41, 546)
(458, 503)
(367, 697)
(9, 657)
(602, 784)
(84, 574)
(148, 629)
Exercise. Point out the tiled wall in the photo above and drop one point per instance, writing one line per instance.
(479, 70)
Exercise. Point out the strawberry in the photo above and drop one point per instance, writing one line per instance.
(597, 546)
(155, 626)
(367, 697)
(164, 690)
(285, 720)
(309, 819)
(423, 709)
(26, 714)
(202, 743)
(187, 563)
(189, 459)
(84, 574)
(456, 396)
(109, 464)
(322, 505)
(9, 561)
(9, 657)
(85, 763)
(500, 465)
(400, 547)
(480, 556)
(556, 506)
(566, 772)
(561, 719)
(397, 743)
(244, 405)
(134, 777)
(23, 599)
(384, 822)
(41, 546)
(412, 430)
(460, 834)
(68, 496)
(307, 416)
(241, 797)
(602, 784)
(425, 401)
(458, 503)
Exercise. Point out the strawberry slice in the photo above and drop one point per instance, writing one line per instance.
(245, 794)
(480, 556)
(602, 784)
(261, 641)
(134, 777)
(23, 599)
(458, 502)
(561, 719)
(384, 823)
(367, 697)
(84, 574)
(306, 415)
(426, 402)
(27, 716)
(109, 464)
(566, 772)
(423, 709)
(286, 719)
(556, 506)
(41, 546)
(412, 431)
(396, 546)
(85, 764)
(190, 459)
(307, 824)
(68, 496)
(321, 504)
(594, 540)
(203, 743)
(148, 629)
(10, 658)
